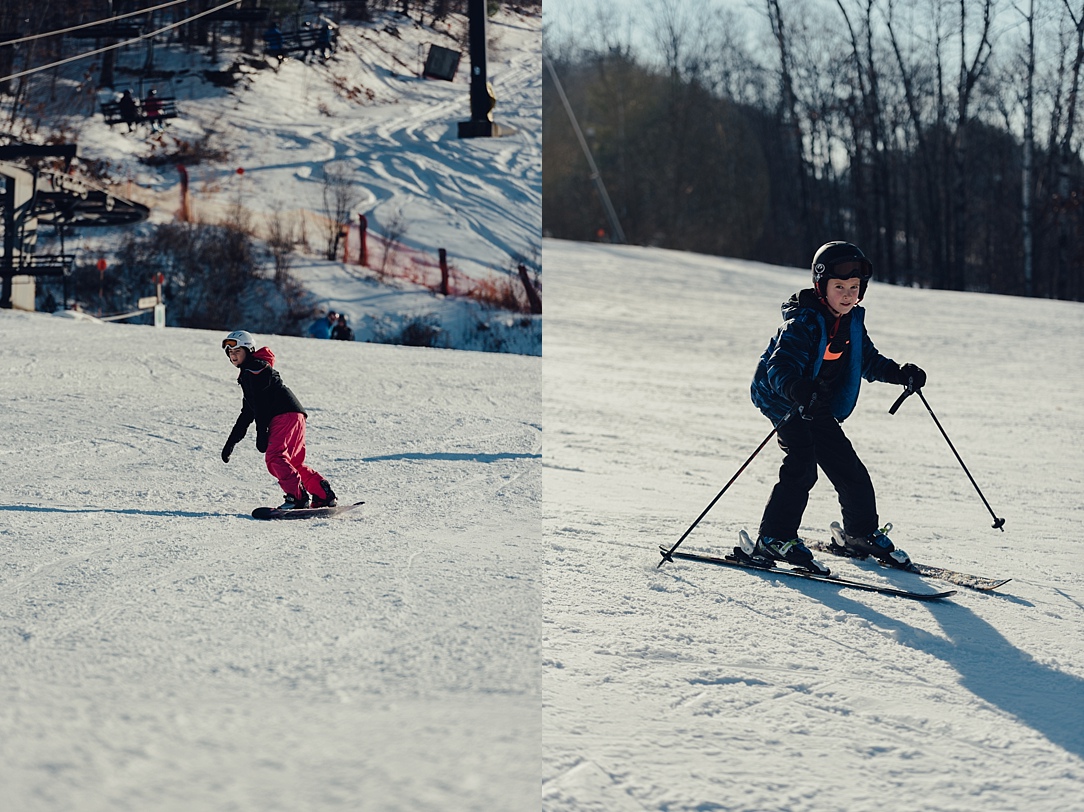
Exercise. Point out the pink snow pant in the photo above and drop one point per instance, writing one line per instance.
(285, 456)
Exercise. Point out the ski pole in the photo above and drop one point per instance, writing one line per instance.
(999, 524)
(907, 392)
(667, 556)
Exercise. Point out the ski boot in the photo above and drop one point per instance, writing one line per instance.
(296, 502)
(793, 551)
(876, 544)
(328, 501)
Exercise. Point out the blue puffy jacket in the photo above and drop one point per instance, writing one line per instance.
(797, 351)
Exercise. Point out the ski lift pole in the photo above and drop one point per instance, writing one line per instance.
(618, 234)
(999, 524)
(668, 554)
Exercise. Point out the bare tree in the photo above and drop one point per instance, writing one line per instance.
(972, 67)
(281, 239)
(341, 197)
(395, 228)
(790, 118)
(1063, 157)
(1029, 150)
(922, 77)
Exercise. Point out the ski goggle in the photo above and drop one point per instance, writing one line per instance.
(849, 270)
(230, 344)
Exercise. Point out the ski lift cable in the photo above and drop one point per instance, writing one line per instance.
(60, 31)
(96, 51)
(618, 234)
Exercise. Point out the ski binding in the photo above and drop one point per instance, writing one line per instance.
(836, 547)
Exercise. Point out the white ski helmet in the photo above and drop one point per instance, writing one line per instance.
(239, 338)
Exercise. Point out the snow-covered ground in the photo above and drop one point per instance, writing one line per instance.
(161, 650)
(692, 687)
(366, 111)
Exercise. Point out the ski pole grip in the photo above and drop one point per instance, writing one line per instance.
(899, 401)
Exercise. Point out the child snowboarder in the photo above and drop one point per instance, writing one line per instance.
(280, 424)
(807, 383)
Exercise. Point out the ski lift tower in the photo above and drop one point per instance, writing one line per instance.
(30, 198)
(482, 99)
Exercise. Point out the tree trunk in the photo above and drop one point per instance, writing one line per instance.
(1029, 136)
(791, 124)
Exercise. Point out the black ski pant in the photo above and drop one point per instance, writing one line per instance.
(806, 444)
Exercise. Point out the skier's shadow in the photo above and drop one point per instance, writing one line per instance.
(184, 514)
(992, 668)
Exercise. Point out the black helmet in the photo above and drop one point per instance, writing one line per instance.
(841, 260)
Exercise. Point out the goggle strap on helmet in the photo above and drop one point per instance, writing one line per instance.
(239, 338)
(849, 269)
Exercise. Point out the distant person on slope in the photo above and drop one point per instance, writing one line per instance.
(152, 109)
(129, 109)
(342, 331)
(324, 41)
(815, 364)
(280, 424)
(321, 328)
(274, 39)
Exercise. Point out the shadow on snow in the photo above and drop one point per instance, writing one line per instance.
(454, 457)
(184, 514)
(992, 668)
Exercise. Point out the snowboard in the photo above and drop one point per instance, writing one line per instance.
(270, 513)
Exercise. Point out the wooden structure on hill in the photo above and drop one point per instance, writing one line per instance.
(33, 197)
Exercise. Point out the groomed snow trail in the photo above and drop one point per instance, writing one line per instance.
(160, 649)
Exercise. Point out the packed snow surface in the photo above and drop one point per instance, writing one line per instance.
(692, 687)
(162, 650)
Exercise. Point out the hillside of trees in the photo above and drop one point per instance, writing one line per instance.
(942, 138)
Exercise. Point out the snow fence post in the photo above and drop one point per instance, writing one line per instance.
(443, 271)
(532, 294)
(363, 253)
(183, 172)
(160, 306)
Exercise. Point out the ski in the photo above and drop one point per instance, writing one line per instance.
(772, 567)
(978, 582)
(269, 513)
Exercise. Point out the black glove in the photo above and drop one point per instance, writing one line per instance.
(804, 393)
(227, 449)
(261, 440)
(910, 375)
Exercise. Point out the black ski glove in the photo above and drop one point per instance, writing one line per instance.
(240, 428)
(261, 440)
(804, 393)
(910, 375)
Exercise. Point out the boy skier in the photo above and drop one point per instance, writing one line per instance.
(280, 424)
(807, 383)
